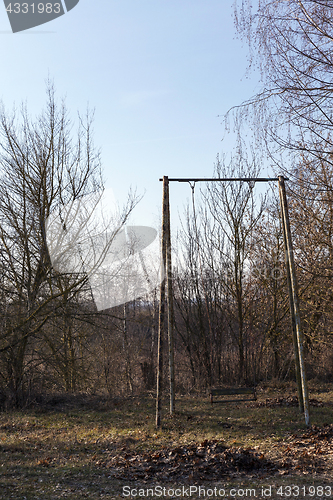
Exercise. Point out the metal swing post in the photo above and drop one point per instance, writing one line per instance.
(294, 304)
(165, 300)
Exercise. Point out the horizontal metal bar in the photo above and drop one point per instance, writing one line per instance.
(227, 179)
(225, 401)
(227, 392)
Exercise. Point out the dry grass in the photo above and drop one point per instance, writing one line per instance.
(62, 448)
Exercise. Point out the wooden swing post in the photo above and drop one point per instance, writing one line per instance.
(294, 306)
(165, 300)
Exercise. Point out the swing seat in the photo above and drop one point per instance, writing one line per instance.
(234, 391)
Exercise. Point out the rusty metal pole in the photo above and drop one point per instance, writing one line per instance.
(161, 319)
(295, 303)
(292, 309)
(169, 300)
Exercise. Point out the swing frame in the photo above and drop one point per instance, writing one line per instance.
(166, 302)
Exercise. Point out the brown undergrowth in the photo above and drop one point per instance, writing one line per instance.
(90, 447)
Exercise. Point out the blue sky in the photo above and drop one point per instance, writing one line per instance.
(157, 72)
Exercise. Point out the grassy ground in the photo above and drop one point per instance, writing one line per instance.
(66, 448)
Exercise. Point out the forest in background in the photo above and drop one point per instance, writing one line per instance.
(231, 306)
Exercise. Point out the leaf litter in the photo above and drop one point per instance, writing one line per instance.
(207, 461)
(83, 449)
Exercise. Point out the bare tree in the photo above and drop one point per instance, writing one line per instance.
(233, 206)
(291, 43)
(42, 169)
